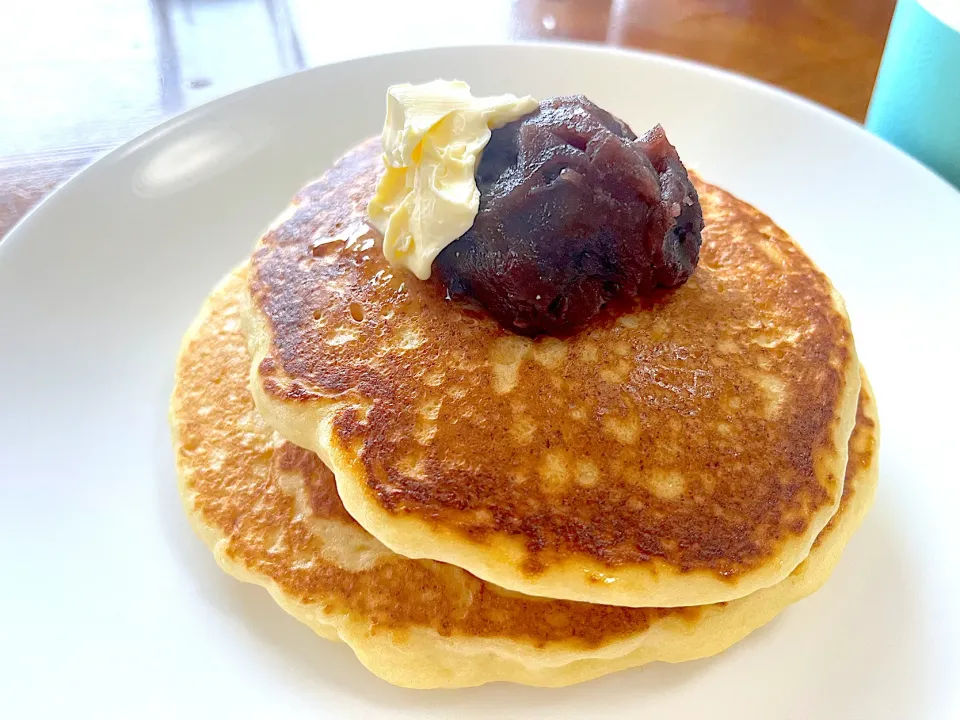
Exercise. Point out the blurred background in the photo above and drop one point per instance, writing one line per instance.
(79, 77)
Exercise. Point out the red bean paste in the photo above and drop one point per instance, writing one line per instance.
(575, 210)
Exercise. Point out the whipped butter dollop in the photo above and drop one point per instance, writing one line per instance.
(433, 136)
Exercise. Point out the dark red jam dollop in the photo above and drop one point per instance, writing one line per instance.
(574, 210)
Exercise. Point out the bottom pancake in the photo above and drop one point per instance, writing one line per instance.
(271, 514)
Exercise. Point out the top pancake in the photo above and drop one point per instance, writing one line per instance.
(684, 450)
(271, 514)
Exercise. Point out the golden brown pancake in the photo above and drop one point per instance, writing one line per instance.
(270, 512)
(683, 450)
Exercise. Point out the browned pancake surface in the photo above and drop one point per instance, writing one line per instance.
(686, 428)
(234, 482)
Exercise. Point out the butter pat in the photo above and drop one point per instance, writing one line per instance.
(432, 139)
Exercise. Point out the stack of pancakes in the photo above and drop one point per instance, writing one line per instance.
(462, 505)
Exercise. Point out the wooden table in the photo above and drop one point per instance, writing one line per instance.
(79, 78)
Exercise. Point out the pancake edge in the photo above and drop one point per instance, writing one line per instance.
(499, 560)
(463, 662)
(209, 535)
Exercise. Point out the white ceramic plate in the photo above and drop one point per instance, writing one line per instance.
(110, 606)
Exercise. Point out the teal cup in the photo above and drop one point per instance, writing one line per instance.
(916, 100)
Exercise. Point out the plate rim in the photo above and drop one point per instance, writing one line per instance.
(716, 73)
